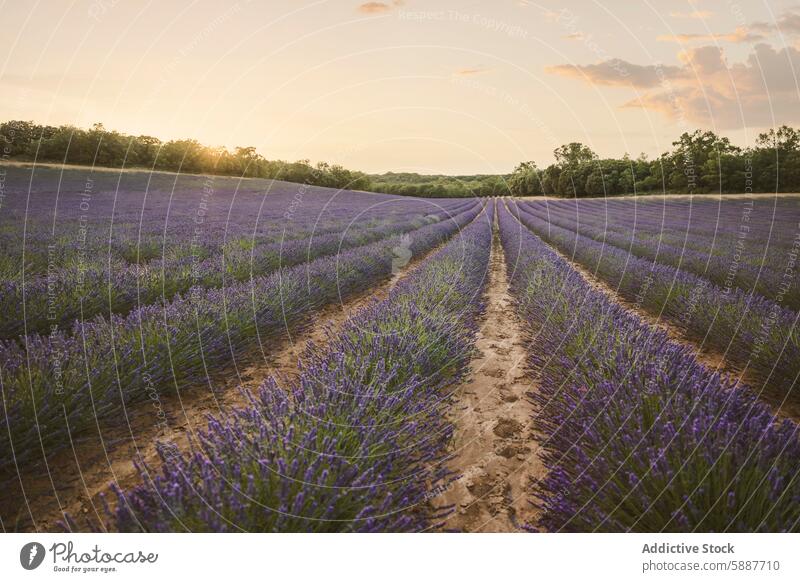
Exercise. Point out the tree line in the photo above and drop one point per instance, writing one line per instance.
(439, 186)
(699, 162)
(25, 140)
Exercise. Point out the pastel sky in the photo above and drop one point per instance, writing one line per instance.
(415, 85)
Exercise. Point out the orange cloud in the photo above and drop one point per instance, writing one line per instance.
(787, 23)
(471, 71)
(705, 89)
(616, 72)
(741, 34)
(694, 15)
(379, 7)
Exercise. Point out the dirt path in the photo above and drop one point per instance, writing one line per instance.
(706, 355)
(495, 448)
(83, 474)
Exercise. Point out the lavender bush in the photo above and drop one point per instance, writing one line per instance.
(77, 243)
(744, 243)
(356, 442)
(638, 435)
(74, 294)
(752, 331)
(58, 384)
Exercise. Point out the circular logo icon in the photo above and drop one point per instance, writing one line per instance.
(31, 555)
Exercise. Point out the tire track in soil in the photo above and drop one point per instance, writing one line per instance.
(84, 473)
(709, 357)
(496, 451)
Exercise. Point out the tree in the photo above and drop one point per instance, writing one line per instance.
(575, 161)
(144, 150)
(695, 161)
(784, 139)
(525, 180)
(777, 160)
(16, 137)
(627, 182)
(573, 155)
(550, 179)
(595, 185)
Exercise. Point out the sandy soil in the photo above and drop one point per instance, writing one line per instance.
(79, 476)
(495, 447)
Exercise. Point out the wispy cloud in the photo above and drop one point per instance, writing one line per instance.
(379, 7)
(552, 16)
(470, 71)
(787, 23)
(705, 89)
(741, 34)
(617, 72)
(693, 15)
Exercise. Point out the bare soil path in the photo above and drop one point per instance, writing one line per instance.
(83, 474)
(495, 447)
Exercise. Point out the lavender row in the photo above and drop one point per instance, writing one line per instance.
(637, 434)
(747, 257)
(69, 194)
(96, 244)
(74, 217)
(697, 220)
(646, 232)
(356, 443)
(99, 252)
(751, 331)
(67, 250)
(77, 295)
(742, 261)
(59, 384)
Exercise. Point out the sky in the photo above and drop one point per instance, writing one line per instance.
(414, 85)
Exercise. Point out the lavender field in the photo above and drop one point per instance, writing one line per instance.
(190, 353)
